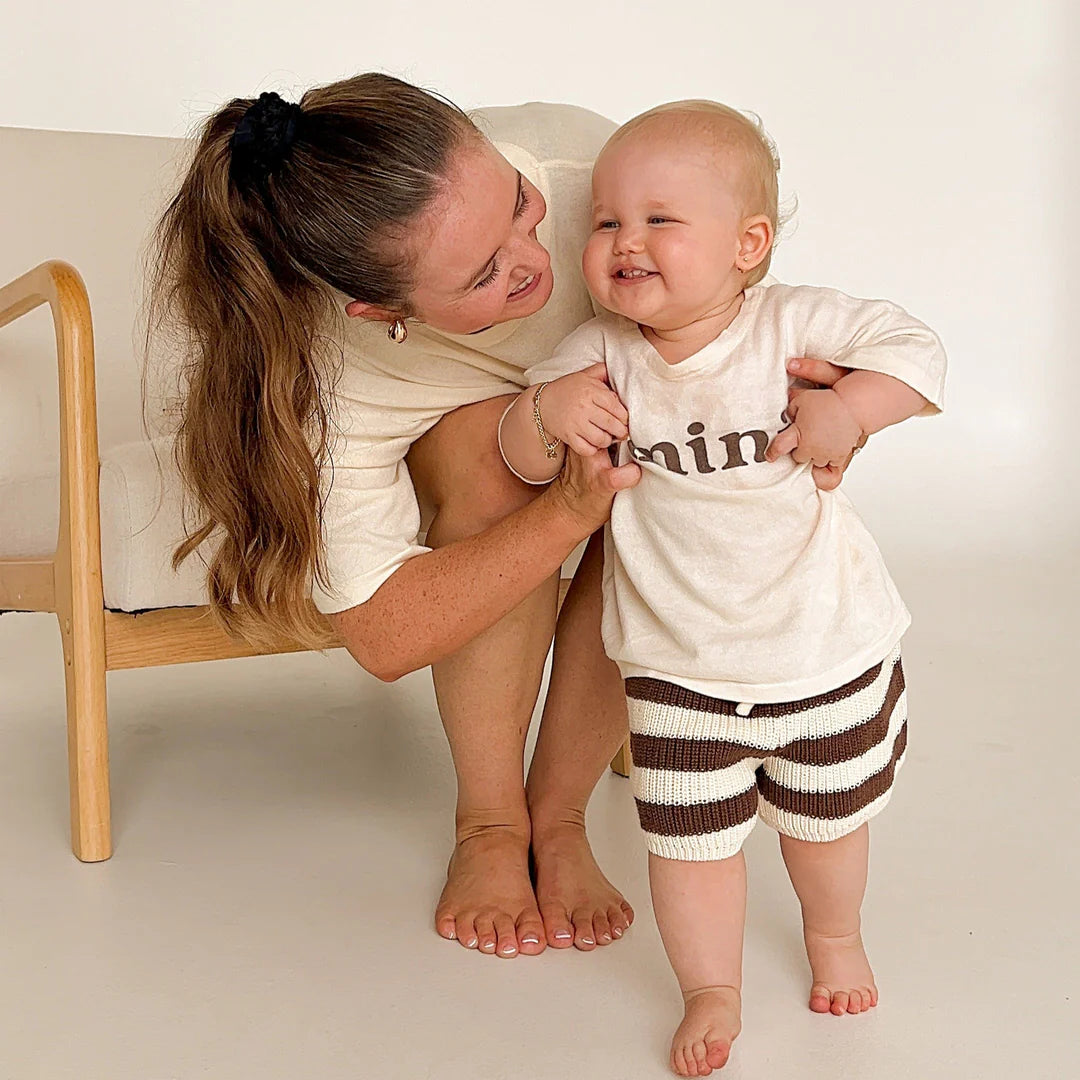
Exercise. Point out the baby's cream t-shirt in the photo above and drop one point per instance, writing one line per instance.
(725, 573)
(388, 395)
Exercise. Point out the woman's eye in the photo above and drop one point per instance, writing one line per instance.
(524, 204)
(485, 281)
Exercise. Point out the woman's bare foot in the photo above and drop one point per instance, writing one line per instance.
(843, 981)
(711, 1024)
(578, 904)
(488, 902)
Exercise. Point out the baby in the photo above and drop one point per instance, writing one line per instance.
(749, 612)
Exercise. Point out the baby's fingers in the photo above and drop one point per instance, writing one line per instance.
(786, 442)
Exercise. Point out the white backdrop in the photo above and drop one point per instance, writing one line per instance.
(931, 147)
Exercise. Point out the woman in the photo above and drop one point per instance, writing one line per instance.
(310, 443)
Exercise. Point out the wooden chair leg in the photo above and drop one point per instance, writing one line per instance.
(88, 741)
(620, 763)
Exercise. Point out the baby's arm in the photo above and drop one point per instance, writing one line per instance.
(900, 369)
(827, 425)
(578, 411)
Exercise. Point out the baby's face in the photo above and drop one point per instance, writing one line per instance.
(665, 230)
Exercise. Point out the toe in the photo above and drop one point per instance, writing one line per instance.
(602, 928)
(466, 932)
(584, 934)
(717, 1054)
(872, 994)
(820, 998)
(839, 1003)
(679, 1062)
(530, 934)
(700, 1054)
(505, 936)
(628, 913)
(557, 926)
(854, 1004)
(617, 922)
(485, 933)
(446, 926)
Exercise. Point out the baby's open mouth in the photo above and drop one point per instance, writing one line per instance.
(633, 275)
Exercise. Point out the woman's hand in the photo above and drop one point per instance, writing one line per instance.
(820, 373)
(587, 486)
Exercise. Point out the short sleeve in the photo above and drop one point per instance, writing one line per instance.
(871, 335)
(371, 527)
(577, 351)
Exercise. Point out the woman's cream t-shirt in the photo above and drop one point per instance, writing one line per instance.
(389, 395)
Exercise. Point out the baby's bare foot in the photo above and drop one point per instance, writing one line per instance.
(703, 1040)
(843, 981)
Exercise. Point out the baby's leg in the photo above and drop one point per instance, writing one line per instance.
(830, 880)
(700, 909)
(819, 791)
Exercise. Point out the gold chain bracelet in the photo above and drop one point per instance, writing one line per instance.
(550, 448)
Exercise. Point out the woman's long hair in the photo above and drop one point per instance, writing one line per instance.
(267, 221)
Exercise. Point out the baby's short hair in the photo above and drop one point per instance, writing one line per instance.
(728, 130)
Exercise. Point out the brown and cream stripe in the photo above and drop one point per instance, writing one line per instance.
(705, 769)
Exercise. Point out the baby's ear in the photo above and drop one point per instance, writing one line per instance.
(757, 239)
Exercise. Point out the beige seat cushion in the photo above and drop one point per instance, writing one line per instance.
(140, 526)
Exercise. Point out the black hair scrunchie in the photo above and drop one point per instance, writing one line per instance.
(264, 137)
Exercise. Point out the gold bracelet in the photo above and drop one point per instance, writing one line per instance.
(550, 448)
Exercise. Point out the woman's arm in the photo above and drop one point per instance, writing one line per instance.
(438, 601)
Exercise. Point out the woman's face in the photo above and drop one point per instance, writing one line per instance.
(477, 259)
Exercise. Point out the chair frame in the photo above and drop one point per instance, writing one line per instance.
(68, 582)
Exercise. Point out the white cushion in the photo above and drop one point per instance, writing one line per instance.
(141, 524)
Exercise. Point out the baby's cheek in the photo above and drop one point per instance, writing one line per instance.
(594, 264)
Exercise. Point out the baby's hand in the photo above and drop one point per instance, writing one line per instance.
(583, 411)
(822, 432)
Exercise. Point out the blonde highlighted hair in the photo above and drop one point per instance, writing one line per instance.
(268, 222)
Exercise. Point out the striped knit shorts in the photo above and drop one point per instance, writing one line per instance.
(704, 770)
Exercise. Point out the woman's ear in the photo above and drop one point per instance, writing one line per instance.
(755, 241)
(357, 309)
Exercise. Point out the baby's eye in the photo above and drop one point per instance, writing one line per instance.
(655, 220)
(608, 225)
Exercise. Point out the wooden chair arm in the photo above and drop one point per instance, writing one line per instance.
(78, 550)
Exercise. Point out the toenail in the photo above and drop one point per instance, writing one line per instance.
(587, 941)
(471, 943)
(530, 940)
(450, 935)
(563, 936)
(508, 950)
(617, 932)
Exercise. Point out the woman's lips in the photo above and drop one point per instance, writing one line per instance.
(523, 290)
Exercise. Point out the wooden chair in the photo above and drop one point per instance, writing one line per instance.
(68, 582)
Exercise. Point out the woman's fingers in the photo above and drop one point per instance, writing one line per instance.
(816, 371)
(784, 443)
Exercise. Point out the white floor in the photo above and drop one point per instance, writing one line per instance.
(281, 825)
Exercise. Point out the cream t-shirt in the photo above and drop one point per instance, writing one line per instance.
(725, 573)
(388, 395)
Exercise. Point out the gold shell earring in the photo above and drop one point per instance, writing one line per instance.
(398, 331)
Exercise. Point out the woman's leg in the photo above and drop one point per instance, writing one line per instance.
(584, 724)
(486, 693)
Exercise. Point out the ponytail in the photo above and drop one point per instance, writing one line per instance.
(268, 221)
